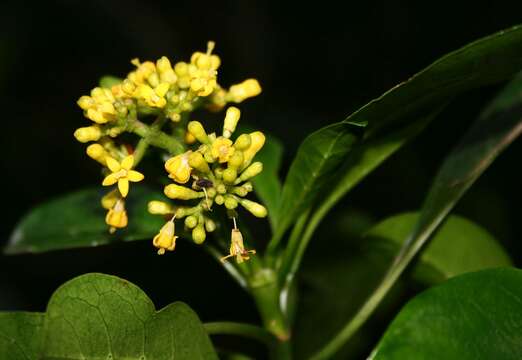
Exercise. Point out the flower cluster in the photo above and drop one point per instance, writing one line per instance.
(206, 169)
(220, 170)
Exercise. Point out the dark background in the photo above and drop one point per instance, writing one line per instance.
(316, 62)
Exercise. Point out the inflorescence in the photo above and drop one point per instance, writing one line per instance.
(206, 169)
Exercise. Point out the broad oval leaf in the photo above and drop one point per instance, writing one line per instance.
(78, 220)
(458, 247)
(473, 316)
(97, 316)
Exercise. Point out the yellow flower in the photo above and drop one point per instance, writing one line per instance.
(117, 216)
(165, 240)
(179, 168)
(222, 149)
(153, 97)
(122, 174)
(237, 248)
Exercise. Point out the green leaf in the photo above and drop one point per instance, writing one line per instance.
(316, 160)
(473, 316)
(20, 335)
(359, 262)
(485, 61)
(498, 126)
(267, 184)
(78, 220)
(97, 316)
(108, 81)
(472, 247)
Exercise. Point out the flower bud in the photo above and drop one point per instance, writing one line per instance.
(86, 134)
(198, 131)
(231, 119)
(229, 175)
(97, 152)
(198, 234)
(210, 225)
(258, 140)
(86, 102)
(174, 191)
(197, 161)
(251, 171)
(256, 209)
(191, 221)
(219, 199)
(110, 199)
(159, 208)
(236, 160)
(243, 142)
(230, 202)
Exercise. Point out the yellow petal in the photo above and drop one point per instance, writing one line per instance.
(127, 162)
(112, 164)
(123, 186)
(134, 176)
(110, 180)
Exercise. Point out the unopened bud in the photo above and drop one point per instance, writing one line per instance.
(97, 152)
(258, 140)
(231, 119)
(230, 202)
(256, 209)
(251, 171)
(86, 134)
(197, 161)
(174, 191)
(159, 208)
(196, 129)
(191, 221)
(198, 234)
(229, 175)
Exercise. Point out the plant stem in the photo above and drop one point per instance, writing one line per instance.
(154, 136)
(266, 293)
(240, 329)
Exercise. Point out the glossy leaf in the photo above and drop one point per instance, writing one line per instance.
(316, 161)
(485, 61)
(267, 184)
(78, 220)
(98, 316)
(473, 316)
(498, 126)
(359, 262)
(458, 247)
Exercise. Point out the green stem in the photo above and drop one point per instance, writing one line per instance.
(155, 137)
(266, 293)
(240, 329)
(140, 151)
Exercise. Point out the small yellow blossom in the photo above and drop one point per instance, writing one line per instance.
(122, 174)
(165, 239)
(110, 199)
(222, 149)
(237, 248)
(117, 216)
(179, 168)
